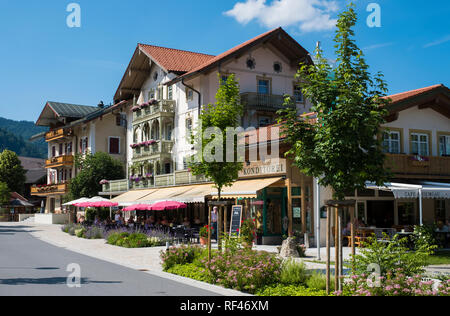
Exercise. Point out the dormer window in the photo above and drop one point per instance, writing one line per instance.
(155, 76)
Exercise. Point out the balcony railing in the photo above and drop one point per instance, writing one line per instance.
(413, 166)
(270, 102)
(161, 147)
(116, 186)
(57, 134)
(50, 189)
(174, 179)
(61, 161)
(164, 107)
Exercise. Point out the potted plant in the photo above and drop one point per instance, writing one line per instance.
(204, 235)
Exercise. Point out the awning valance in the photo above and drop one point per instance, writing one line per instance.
(246, 188)
(428, 190)
(195, 193)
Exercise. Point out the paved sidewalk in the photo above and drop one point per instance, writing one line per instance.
(143, 259)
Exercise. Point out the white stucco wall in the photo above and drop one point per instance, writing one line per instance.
(420, 119)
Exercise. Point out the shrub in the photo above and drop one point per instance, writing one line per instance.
(390, 256)
(246, 270)
(94, 233)
(80, 232)
(293, 273)
(318, 281)
(394, 284)
(191, 271)
(179, 255)
(289, 290)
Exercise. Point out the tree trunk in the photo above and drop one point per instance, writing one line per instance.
(219, 223)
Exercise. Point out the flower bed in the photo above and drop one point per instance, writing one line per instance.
(126, 238)
(241, 269)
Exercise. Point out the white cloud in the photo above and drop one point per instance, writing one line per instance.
(376, 46)
(438, 42)
(308, 15)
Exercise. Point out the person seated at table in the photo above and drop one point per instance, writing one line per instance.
(150, 221)
(197, 221)
(81, 220)
(131, 221)
(96, 221)
(442, 228)
(164, 221)
(186, 222)
(117, 217)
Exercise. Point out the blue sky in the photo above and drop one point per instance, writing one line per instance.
(42, 59)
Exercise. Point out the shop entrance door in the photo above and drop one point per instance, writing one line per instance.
(275, 209)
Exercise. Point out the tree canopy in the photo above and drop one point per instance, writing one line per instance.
(11, 171)
(211, 137)
(339, 144)
(92, 170)
(5, 194)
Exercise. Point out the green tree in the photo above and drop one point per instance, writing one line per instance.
(211, 148)
(4, 193)
(11, 171)
(340, 145)
(92, 170)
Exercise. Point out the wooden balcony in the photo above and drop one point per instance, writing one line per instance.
(165, 108)
(267, 102)
(408, 166)
(51, 189)
(183, 177)
(157, 150)
(61, 161)
(57, 134)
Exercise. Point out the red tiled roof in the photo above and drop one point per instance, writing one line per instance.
(175, 60)
(408, 94)
(228, 53)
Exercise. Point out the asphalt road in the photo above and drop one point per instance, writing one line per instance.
(32, 267)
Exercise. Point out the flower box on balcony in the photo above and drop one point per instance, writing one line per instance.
(419, 161)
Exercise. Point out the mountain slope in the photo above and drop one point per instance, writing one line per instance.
(15, 135)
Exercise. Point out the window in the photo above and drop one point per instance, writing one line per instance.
(444, 145)
(53, 151)
(439, 211)
(264, 121)
(151, 95)
(185, 163)
(420, 144)
(298, 94)
(391, 142)
(83, 145)
(60, 152)
(170, 93)
(114, 145)
(169, 132)
(188, 126)
(277, 67)
(189, 94)
(263, 86)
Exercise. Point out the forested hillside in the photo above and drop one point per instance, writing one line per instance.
(15, 135)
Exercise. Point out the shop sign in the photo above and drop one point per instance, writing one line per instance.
(270, 167)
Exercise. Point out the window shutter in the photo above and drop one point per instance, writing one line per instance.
(114, 145)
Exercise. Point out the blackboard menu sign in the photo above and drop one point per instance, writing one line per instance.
(236, 219)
